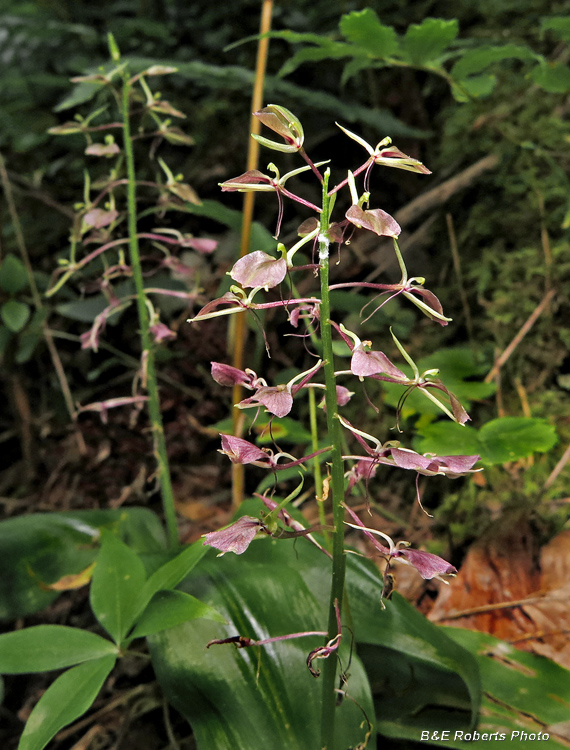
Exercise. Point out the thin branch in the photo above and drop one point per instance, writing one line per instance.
(525, 328)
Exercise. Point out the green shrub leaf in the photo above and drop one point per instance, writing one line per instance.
(552, 77)
(497, 442)
(13, 275)
(15, 314)
(425, 43)
(559, 24)
(477, 60)
(511, 438)
(363, 28)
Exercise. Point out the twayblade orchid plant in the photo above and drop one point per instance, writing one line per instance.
(258, 273)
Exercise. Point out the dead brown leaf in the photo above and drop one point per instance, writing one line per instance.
(510, 588)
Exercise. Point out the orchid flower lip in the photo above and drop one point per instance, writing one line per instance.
(378, 533)
(355, 431)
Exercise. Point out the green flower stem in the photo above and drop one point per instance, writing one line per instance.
(317, 474)
(337, 476)
(148, 352)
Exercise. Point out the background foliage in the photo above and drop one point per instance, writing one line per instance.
(510, 227)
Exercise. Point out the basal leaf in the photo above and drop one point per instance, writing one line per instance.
(262, 697)
(424, 44)
(420, 648)
(250, 698)
(523, 693)
(42, 648)
(65, 700)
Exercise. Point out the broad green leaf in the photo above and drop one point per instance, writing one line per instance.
(552, 77)
(274, 588)
(559, 24)
(473, 87)
(284, 429)
(42, 648)
(5, 338)
(476, 60)
(170, 574)
(41, 548)
(118, 579)
(363, 28)
(30, 336)
(447, 438)
(80, 93)
(170, 608)
(66, 699)
(522, 692)
(497, 442)
(232, 77)
(424, 44)
(13, 274)
(457, 369)
(417, 647)
(327, 50)
(511, 438)
(261, 697)
(15, 314)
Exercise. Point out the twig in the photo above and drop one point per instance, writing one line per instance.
(459, 275)
(558, 468)
(428, 201)
(484, 608)
(525, 328)
(54, 354)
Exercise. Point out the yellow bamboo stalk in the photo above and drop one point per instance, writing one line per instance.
(239, 329)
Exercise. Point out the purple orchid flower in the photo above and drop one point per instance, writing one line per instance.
(254, 181)
(230, 376)
(236, 537)
(278, 400)
(427, 564)
(258, 269)
(241, 451)
(384, 154)
(161, 332)
(375, 220)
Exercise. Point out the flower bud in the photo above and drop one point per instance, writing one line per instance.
(283, 122)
